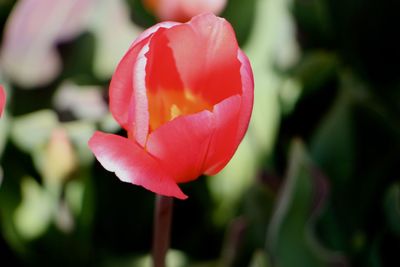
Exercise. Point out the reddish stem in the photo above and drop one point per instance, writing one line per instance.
(162, 229)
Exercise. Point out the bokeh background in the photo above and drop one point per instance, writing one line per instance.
(314, 183)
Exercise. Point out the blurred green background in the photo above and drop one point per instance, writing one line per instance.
(315, 182)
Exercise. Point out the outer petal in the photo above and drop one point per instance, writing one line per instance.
(2, 99)
(182, 144)
(132, 164)
(205, 51)
(232, 120)
(224, 141)
(127, 93)
(247, 94)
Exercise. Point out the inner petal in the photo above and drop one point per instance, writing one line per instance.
(167, 104)
(167, 96)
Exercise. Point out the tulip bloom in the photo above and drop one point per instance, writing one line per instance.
(184, 93)
(183, 10)
(2, 100)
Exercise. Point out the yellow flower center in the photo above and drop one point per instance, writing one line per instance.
(166, 105)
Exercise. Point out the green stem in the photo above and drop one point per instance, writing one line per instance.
(162, 229)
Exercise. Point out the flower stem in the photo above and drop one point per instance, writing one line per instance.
(162, 229)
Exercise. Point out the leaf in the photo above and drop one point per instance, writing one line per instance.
(80, 132)
(4, 131)
(291, 240)
(260, 259)
(228, 186)
(33, 130)
(114, 32)
(34, 214)
(333, 141)
(392, 208)
(56, 160)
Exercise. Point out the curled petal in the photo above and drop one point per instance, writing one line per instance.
(153, 29)
(182, 144)
(132, 164)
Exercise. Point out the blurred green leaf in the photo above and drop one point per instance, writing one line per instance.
(313, 18)
(109, 124)
(114, 32)
(228, 186)
(392, 208)
(80, 132)
(333, 141)
(4, 131)
(32, 131)
(315, 68)
(33, 215)
(74, 194)
(241, 16)
(264, 47)
(260, 259)
(175, 258)
(291, 239)
(56, 160)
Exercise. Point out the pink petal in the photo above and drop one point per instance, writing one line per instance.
(183, 10)
(32, 30)
(232, 120)
(225, 139)
(247, 94)
(196, 7)
(128, 100)
(132, 164)
(182, 144)
(2, 99)
(205, 51)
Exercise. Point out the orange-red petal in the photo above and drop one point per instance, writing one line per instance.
(182, 144)
(121, 91)
(132, 164)
(232, 120)
(205, 52)
(224, 140)
(246, 107)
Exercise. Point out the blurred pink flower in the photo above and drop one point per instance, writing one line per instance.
(28, 55)
(183, 10)
(2, 99)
